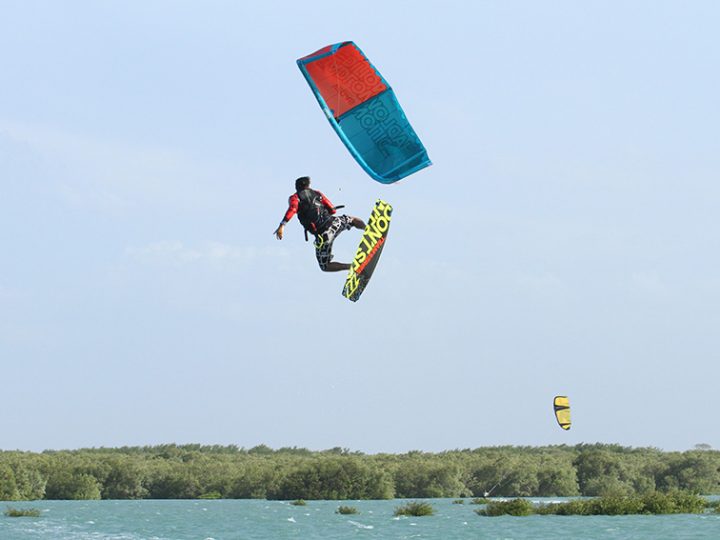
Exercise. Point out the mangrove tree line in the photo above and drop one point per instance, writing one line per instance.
(195, 471)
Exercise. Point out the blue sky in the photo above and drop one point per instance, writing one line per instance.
(565, 241)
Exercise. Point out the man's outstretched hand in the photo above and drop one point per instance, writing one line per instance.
(279, 232)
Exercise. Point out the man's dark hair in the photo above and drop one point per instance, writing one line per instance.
(302, 183)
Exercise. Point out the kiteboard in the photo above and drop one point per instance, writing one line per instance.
(368, 252)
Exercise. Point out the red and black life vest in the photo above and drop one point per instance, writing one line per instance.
(312, 213)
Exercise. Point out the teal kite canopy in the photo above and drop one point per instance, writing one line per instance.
(363, 110)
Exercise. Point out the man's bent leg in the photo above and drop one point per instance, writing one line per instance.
(323, 252)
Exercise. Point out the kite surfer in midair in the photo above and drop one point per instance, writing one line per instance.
(317, 215)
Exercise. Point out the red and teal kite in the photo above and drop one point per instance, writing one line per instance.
(363, 110)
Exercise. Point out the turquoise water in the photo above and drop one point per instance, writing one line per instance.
(275, 520)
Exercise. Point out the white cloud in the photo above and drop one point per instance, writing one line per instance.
(5, 293)
(649, 282)
(210, 253)
(89, 171)
(542, 284)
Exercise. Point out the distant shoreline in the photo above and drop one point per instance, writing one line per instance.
(199, 471)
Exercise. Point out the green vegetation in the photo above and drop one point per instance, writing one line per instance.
(415, 508)
(346, 510)
(299, 502)
(228, 472)
(515, 507)
(650, 503)
(459, 501)
(22, 512)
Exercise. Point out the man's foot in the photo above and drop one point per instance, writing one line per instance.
(336, 267)
(358, 223)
